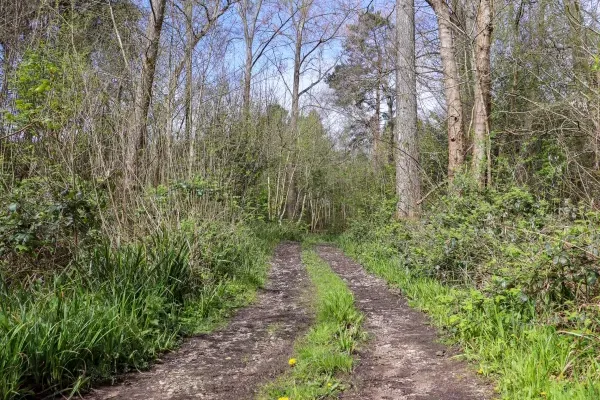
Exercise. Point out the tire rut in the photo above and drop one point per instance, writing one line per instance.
(234, 361)
(403, 359)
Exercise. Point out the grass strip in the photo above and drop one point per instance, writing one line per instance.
(528, 360)
(324, 356)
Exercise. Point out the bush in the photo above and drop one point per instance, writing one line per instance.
(514, 282)
(42, 226)
(497, 241)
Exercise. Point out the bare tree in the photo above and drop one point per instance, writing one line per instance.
(306, 42)
(249, 11)
(189, 53)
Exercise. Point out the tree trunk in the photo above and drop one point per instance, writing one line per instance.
(189, 53)
(376, 129)
(290, 206)
(249, 13)
(247, 76)
(391, 129)
(408, 186)
(136, 138)
(483, 88)
(451, 88)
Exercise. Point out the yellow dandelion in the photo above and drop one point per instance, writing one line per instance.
(292, 362)
(283, 398)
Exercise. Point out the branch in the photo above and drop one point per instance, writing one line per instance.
(17, 132)
(315, 83)
(271, 38)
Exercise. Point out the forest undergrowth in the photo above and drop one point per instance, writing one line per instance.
(512, 280)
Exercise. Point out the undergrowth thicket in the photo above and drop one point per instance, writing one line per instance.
(325, 354)
(512, 279)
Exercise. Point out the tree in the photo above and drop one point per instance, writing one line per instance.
(312, 28)
(481, 161)
(454, 106)
(408, 186)
(249, 11)
(136, 137)
(363, 82)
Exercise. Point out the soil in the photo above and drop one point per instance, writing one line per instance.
(403, 359)
(233, 362)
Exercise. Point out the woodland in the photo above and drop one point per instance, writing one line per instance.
(153, 153)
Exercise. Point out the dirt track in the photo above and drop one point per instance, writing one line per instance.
(403, 359)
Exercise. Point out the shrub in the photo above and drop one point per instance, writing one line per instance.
(43, 225)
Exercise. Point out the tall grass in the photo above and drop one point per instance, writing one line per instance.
(326, 352)
(529, 360)
(120, 309)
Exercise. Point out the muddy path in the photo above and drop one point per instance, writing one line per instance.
(402, 359)
(233, 362)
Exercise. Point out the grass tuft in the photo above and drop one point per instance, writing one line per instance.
(121, 308)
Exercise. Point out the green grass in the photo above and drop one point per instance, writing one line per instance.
(527, 359)
(120, 309)
(325, 355)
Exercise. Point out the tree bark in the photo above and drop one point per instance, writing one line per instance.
(483, 88)
(451, 88)
(136, 138)
(376, 122)
(408, 186)
(391, 129)
(247, 76)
